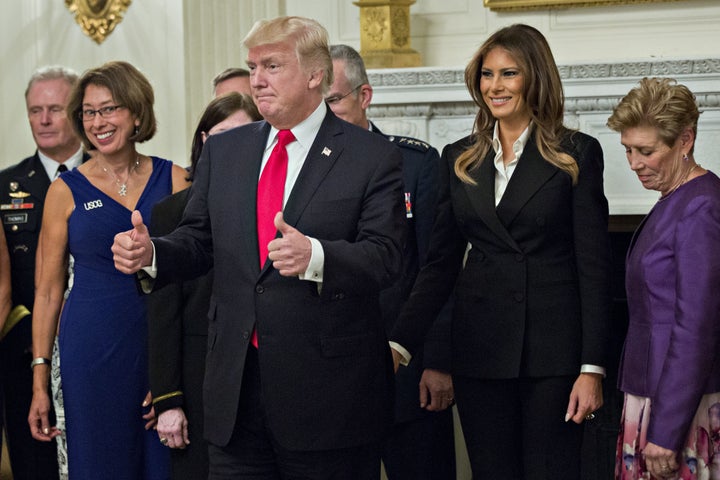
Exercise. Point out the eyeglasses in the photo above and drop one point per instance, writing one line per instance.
(105, 112)
(337, 98)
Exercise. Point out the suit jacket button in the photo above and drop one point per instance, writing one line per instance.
(339, 296)
(519, 257)
(259, 289)
(246, 335)
(519, 297)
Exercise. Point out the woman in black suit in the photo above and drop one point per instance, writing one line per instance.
(531, 307)
(177, 316)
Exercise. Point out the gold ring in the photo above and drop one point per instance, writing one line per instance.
(164, 441)
(589, 416)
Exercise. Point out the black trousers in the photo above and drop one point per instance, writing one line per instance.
(253, 454)
(515, 429)
(421, 449)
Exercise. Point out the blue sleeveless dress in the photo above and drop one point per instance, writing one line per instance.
(103, 342)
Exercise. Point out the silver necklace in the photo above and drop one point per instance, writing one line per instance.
(122, 186)
(682, 182)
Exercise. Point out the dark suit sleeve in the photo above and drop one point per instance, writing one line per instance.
(165, 307)
(437, 278)
(437, 345)
(192, 240)
(592, 251)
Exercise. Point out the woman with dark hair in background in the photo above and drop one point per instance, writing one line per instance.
(531, 300)
(178, 316)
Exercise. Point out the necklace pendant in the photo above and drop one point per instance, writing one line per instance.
(123, 190)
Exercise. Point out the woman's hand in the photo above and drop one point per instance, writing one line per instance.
(586, 397)
(172, 428)
(660, 462)
(40, 427)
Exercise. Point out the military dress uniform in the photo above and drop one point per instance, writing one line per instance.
(421, 445)
(22, 194)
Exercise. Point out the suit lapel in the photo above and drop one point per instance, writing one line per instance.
(482, 197)
(531, 173)
(245, 170)
(323, 153)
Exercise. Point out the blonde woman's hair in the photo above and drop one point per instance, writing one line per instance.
(660, 103)
(543, 95)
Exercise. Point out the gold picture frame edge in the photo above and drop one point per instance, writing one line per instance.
(98, 25)
(507, 5)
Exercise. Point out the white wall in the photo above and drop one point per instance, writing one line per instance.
(34, 33)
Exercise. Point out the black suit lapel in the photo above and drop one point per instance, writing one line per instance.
(326, 148)
(531, 173)
(482, 197)
(246, 169)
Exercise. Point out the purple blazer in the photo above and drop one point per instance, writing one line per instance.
(672, 349)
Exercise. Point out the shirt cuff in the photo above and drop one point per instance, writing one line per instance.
(147, 275)
(315, 268)
(151, 270)
(592, 369)
(406, 357)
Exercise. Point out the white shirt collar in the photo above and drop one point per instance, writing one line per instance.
(51, 165)
(305, 131)
(518, 145)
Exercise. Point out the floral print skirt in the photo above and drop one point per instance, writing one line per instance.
(700, 456)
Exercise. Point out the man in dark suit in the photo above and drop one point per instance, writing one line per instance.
(421, 444)
(23, 187)
(313, 399)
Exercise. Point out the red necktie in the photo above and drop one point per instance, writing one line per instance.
(271, 189)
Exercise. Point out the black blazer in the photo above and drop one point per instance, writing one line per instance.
(324, 360)
(533, 297)
(177, 320)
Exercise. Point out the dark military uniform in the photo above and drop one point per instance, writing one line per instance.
(421, 444)
(22, 195)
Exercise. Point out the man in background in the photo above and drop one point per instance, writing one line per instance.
(22, 193)
(232, 80)
(421, 443)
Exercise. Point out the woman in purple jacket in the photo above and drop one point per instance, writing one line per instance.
(670, 371)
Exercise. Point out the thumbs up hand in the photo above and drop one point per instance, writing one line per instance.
(291, 252)
(132, 249)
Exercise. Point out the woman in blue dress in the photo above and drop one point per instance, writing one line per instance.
(103, 327)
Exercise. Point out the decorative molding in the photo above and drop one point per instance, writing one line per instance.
(428, 92)
(513, 5)
(454, 76)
